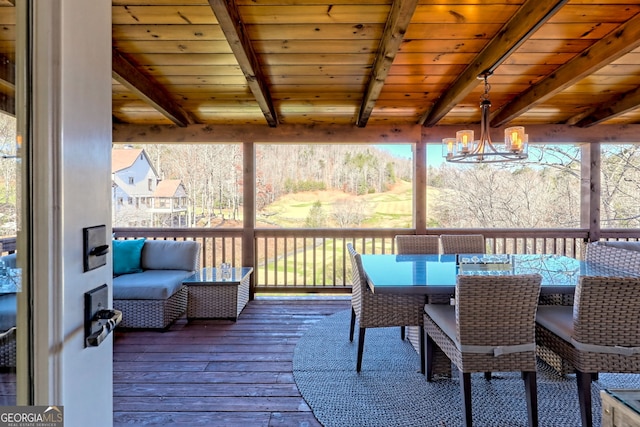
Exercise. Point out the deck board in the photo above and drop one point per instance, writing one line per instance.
(218, 372)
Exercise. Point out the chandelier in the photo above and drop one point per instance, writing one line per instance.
(465, 149)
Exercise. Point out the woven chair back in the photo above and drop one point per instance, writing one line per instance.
(463, 244)
(497, 310)
(357, 279)
(381, 309)
(613, 257)
(408, 244)
(606, 311)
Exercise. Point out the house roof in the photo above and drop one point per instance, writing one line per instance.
(168, 188)
(123, 158)
(214, 70)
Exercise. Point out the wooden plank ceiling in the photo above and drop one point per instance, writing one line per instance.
(373, 63)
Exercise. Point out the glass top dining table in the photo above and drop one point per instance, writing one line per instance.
(436, 274)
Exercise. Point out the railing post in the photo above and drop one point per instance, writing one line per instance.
(420, 187)
(590, 190)
(249, 212)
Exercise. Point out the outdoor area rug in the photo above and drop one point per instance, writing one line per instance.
(391, 391)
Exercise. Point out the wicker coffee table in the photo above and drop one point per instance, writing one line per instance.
(212, 297)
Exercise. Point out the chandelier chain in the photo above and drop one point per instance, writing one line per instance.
(487, 88)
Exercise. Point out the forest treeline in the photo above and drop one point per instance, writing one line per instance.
(212, 173)
(542, 192)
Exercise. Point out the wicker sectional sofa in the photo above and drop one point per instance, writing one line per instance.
(155, 296)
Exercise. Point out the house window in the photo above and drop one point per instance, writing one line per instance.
(120, 201)
(150, 181)
(130, 200)
(131, 180)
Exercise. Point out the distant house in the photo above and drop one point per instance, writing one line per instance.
(140, 198)
(169, 204)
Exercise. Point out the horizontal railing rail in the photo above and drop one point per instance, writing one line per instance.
(218, 244)
(300, 261)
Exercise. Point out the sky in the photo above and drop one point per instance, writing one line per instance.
(434, 152)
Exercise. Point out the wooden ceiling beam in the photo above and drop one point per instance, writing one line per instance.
(626, 102)
(8, 85)
(148, 89)
(625, 39)
(350, 134)
(8, 104)
(397, 23)
(228, 17)
(520, 27)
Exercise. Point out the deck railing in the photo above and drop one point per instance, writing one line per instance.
(298, 261)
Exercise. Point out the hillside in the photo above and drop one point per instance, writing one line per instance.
(389, 209)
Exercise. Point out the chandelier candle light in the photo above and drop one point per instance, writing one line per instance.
(464, 149)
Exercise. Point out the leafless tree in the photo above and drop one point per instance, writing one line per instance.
(620, 190)
(8, 175)
(349, 213)
(131, 216)
(509, 195)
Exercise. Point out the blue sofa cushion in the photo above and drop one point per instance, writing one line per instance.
(7, 311)
(9, 260)
(152, 284)
(127, 255)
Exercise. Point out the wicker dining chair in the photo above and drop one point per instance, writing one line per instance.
(610, 255)
(490, 328)
(599, 333)
(463, 244)
(607, 254)
(407, 244)
(421, 244)
(378, 310)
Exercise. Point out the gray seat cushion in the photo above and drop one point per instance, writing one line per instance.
(445, 316)
(557, 319)
(150, 284)
(170, 255)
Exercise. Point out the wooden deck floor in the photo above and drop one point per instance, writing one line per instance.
(216, 372)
